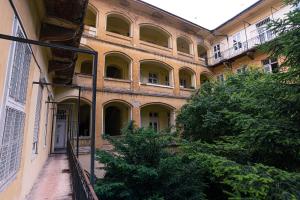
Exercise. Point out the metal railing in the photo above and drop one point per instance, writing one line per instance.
(242, 47)
(82, 189)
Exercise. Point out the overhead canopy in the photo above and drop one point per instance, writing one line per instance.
(63, 25)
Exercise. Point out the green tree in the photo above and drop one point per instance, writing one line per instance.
(287, 44)
(251, 116)
(141, 167)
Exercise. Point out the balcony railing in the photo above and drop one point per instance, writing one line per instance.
(82, 189)
(241, 47)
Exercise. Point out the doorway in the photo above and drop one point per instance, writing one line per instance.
(61, 129)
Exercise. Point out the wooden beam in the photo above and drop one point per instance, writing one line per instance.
(59, 66)
(56, 33)
(61, 23)
(58, 80)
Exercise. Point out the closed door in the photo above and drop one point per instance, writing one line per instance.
(60, 134)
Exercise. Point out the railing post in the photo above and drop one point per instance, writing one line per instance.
(78, 121)
(95, 63)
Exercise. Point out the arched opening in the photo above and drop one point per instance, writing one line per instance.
(87, 67)
(118, 24)
(116, 116)
(90, 18)
(204, 77)
(84, 63)
(157, 116)
(155, 36)
(117, 66)
(202, 52)
(85, 119)
(157, 73)
(184, 45)
(67, 123)
(187, 78)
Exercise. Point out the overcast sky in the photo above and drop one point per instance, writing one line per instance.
(206, 13)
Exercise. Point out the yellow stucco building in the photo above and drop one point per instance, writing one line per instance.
(149, 63)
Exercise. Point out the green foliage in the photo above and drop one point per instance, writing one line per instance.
(287, 44)
(251, 116)
(249, 182)
(242, 138)
(142, 168)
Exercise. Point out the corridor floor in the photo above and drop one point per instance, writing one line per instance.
(54, 181)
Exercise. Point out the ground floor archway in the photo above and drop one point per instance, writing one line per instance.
(116, 115)
(157, 116)
(66, 123)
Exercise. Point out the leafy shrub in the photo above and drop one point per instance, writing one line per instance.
(249, 182)
(253, 113)
(141, 168)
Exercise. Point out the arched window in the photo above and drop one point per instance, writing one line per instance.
(116, 116)
(155, 72)
(155, 35)
(117, 66)
(90, 18)
(157, 116)
(187, 78)
(118, 24)
(87, 67)
(85, 114)
(184, 45)
(202, 52)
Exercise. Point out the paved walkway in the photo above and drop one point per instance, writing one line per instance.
(54, 181)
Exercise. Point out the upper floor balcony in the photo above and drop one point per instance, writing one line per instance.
(239, 48)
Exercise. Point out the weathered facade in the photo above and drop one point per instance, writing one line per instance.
(150, 62)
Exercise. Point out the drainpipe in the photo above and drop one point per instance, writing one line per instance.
(246, 33)
(78, 121)
(52, 128)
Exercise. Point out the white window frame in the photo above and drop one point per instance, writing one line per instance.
(237, 41)
(15, 103)
(267, 64)
(154, 121)
(183, 83)
(153, 78)
(264, 34)
(217, 51)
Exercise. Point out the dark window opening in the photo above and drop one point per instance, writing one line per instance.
(113, 121)
(86, 67)
(84, 129)
(118, 25)
(113, 72)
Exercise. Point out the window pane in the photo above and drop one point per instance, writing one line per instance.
(11, 144)
(37, 119)
(20, 71)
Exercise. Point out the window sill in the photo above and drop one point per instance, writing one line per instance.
(83, 138)
(90, 31)
(117, 80)
(157, 85)
(187, 89)
(116, 35)
(155, 46)
(84, 75)
(185, 54)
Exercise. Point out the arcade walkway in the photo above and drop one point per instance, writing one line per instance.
(54, 181)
